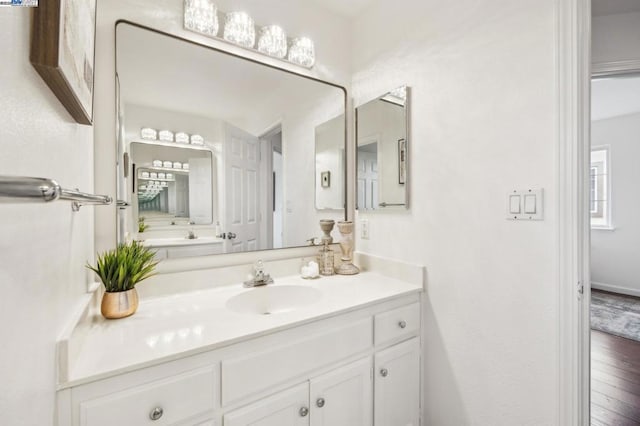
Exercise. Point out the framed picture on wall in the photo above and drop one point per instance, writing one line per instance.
(63, 52)
(402, 161)
(325, 179)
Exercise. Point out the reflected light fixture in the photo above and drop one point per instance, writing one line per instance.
(240, 29)
(273, 41)
(201, 16)
(302, 52)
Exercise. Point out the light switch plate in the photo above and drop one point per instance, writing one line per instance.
(364, 229)
(525, 204)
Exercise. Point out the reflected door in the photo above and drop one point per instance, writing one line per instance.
(367, 177)
(241, 211)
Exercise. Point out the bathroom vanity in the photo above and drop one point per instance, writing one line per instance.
(341, 350)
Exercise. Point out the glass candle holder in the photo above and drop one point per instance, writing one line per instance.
(239, 29)
(273, 41)
(346, 246)
(201, 16)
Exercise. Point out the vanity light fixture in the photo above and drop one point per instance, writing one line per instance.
(201, 16)
(273, 41)
(302, 52)
(239, 29)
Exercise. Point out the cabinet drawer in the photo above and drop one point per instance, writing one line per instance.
(177, 398)
(397, 323)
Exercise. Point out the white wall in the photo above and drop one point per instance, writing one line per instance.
(616, 38)
(483, 122)
(614, 254)
(44, 247)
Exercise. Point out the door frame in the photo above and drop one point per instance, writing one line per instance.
(573, 85)
(574, 74)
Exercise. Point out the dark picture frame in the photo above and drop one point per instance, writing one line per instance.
(63, 52)
(402, 161)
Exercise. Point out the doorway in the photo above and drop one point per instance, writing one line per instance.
(271, 145)
(615, 234)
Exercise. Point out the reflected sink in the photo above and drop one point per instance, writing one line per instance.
(268, 300)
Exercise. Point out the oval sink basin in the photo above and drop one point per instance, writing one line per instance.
(273, 300)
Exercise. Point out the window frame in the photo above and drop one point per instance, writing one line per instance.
(608, 200)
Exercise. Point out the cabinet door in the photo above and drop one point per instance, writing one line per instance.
(397, 385)
(287, 408)
(343, 397)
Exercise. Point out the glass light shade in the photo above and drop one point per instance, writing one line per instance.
(273, 41)
(302, 52)
(201, 16)
(239, 29)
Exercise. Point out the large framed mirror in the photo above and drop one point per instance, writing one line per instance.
(383, 152)
(221, 154)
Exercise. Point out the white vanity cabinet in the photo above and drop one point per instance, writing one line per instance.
(181, 395)
(397, 384)
(286, 408)
(357, 368)
(342, 397)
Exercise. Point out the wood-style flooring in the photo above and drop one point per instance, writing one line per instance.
(615, 380)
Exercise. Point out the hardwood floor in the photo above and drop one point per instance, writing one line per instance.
(615, 380)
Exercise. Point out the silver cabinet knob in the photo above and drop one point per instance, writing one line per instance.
(384, 372)
(156, 413)
(320, 402)
(304, 411)
(402, 324)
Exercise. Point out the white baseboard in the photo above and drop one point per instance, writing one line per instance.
(616, 289)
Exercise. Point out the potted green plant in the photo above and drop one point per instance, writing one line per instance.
(120, 270)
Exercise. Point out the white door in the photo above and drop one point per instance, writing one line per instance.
(241, 211)
(286, 408)
(367, 180)
(397, 385)
(200, 191)
(343, 397)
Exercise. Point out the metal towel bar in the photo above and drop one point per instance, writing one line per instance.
(383, 204)
(31, 189)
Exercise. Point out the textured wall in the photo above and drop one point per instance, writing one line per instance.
(616, 38)
(483, 100)
(43, 247)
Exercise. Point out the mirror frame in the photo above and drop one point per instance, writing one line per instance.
(122, 160)
(407, 185)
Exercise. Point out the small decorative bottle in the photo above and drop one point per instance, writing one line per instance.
(325, 260)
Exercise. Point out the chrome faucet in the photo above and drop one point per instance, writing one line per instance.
(259, 276)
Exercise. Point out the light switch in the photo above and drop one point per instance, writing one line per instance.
(525, 204)
(530, 204)
(514, 204)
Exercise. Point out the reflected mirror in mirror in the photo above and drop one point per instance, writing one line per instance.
(382, 154)
(234, 152)
(167, 192)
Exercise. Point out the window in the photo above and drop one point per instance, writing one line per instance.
(600, 188)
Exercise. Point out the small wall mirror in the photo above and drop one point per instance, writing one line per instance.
(220, 154)
(383, 152)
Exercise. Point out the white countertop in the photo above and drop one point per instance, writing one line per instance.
(169, 327)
